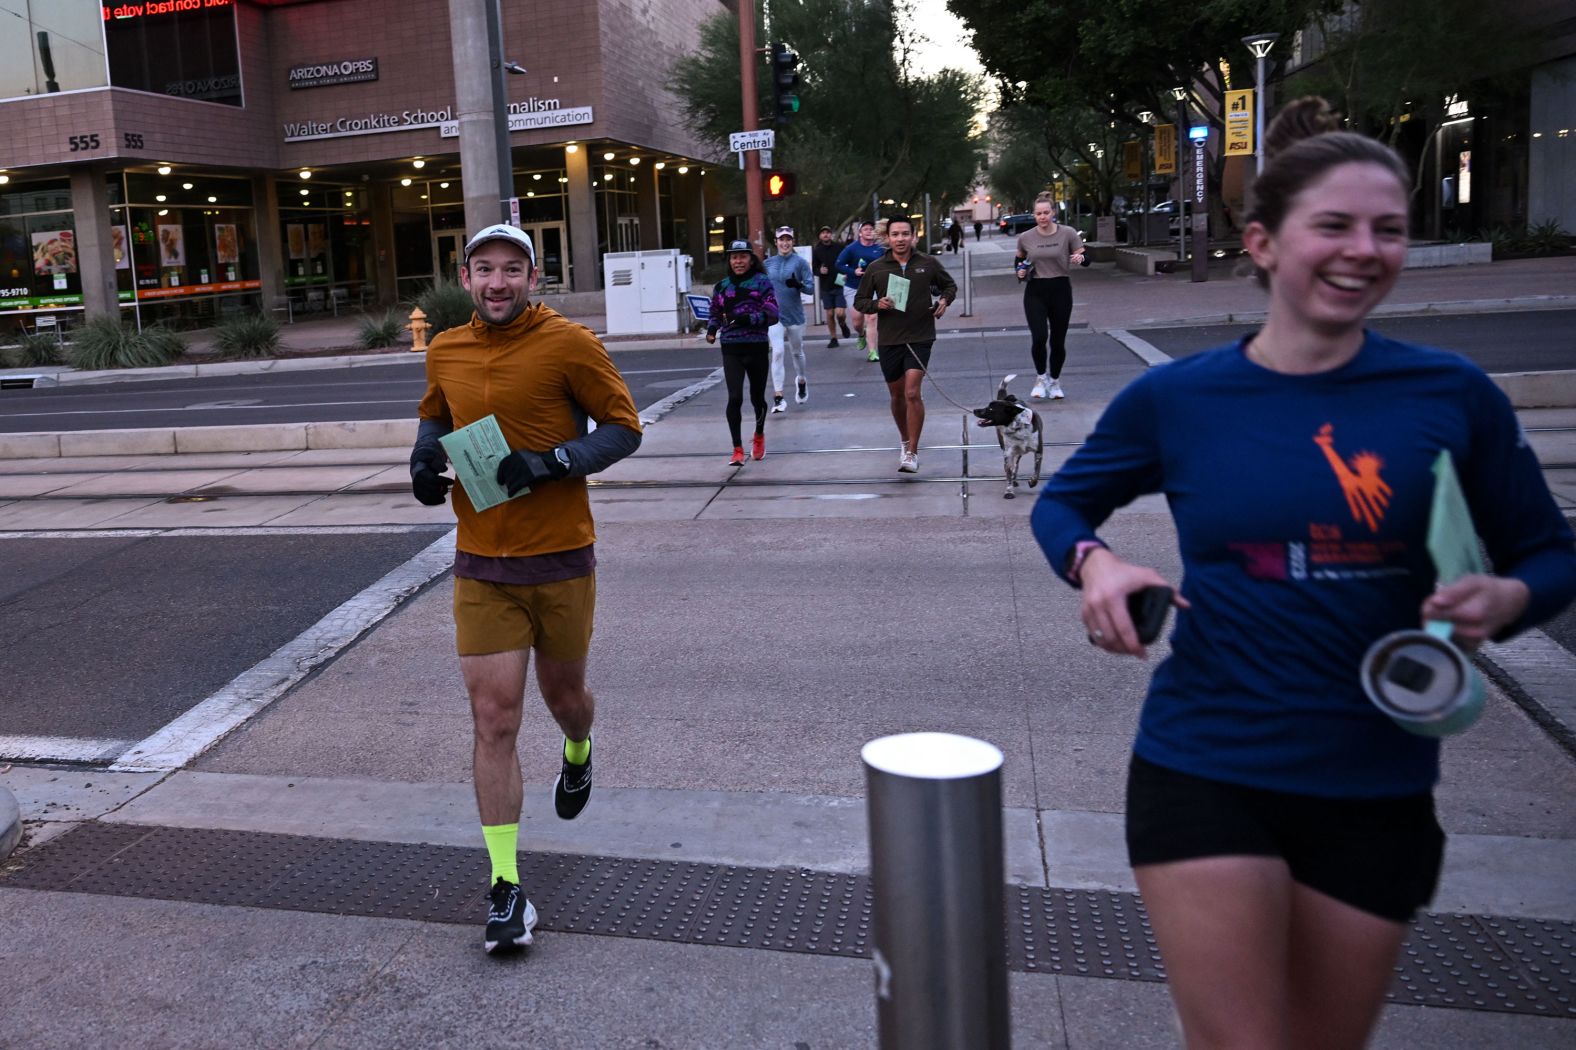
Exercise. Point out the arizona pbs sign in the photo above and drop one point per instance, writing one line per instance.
(325, 74)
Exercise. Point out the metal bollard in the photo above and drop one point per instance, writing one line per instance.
(968, 285)
(937, 875)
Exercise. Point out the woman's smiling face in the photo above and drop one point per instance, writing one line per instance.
(1339, 249)
(738, 262)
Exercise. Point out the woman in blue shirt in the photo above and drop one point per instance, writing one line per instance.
(1280, 827)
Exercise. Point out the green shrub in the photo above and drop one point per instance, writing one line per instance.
(1547, 238)
(247, 335)
(380, 330)
(104, 342)
(447, 305)
(34, 349)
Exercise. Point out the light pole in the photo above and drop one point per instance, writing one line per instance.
(1144, 117)
(1259, 44)
(1179, 94)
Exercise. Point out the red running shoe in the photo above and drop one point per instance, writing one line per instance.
(758, 446)
(737, 459)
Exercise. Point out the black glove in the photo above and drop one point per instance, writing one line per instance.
(525, 469)
(794, 283)
(429, 487)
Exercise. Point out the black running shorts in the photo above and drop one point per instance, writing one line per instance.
(904, 357)
(1381, 856)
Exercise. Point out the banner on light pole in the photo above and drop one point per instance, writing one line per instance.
(1165, 149)
(1239, 123)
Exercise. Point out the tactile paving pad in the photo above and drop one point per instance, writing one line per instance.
(1469, 962)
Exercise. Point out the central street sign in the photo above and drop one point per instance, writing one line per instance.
(743, 141)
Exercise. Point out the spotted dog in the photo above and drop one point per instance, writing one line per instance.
(1017, 431)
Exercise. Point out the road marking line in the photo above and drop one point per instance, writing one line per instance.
(1146, 351)
(192, 733)
(59, 748)
(655, 412)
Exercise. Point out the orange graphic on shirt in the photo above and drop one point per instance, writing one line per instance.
(1366, 492)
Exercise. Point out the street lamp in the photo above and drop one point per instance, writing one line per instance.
(1259, 44)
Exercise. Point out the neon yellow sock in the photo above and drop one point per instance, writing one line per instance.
(577, 751)
(501, 842)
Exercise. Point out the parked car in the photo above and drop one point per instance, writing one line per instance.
(1012, 225)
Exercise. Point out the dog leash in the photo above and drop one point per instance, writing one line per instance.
(908, 348)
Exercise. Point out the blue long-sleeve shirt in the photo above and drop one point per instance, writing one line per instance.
(780, 267)
(1301, 504)
(854, 257)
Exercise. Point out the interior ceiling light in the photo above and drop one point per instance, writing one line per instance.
(683, 169)
(608, 177)
(530, 193)
(563, 178)
(159, 198)
(443, 185)
(213, 200)
(186, 185)
(404, 182)
(659, 165)
(537, 176)
(607, 156)
(634, 160)
(303, 193)
(305, 174)
(418, 163)
(571, 148)
(164, 211)
(164, 169)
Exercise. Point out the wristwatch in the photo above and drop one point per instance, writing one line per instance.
(562, 457)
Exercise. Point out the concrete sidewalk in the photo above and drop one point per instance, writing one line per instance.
(755, 627)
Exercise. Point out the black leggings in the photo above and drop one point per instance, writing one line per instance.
(751, 360)
(1048, 299)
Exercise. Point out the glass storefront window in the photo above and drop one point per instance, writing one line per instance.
(51, 45)
(187, 190)
(325, 230)
(189, 52)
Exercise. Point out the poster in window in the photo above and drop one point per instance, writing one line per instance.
(295, 234)
(120, 238)
(226, 248)
(172, 246)
(1464, 177)
(54, 252)
(316, 240)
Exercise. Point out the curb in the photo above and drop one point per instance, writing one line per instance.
(262, 437)
(10, 823)
(1447, 306)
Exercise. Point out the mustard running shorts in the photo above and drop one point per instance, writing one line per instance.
(553, 618)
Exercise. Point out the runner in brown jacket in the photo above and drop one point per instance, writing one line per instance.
(524, 570)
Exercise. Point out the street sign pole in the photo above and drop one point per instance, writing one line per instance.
(754, 209)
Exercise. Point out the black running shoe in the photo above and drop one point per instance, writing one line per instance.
(572, 789)
(831, 344)
(510, 917)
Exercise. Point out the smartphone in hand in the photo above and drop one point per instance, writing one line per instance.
(1148, 607)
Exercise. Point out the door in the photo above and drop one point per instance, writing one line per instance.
(446, 248)
(626, 234)
(549, 240)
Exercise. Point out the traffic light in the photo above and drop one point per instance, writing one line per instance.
(785, 84)
(779, 184)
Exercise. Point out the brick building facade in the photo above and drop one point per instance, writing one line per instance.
(189, 158)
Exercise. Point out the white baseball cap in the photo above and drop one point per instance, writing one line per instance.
(502, 232)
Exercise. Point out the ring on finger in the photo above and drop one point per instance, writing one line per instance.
(1097, 635)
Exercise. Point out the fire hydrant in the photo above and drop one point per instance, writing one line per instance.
(418, 328)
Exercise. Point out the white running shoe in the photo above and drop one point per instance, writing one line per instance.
(1038, 393)
(802, 394)
(908, 463)
(778, 404)
(1055, 391)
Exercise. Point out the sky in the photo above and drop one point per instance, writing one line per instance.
(945, 46)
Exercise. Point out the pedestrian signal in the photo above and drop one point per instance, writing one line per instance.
(779, 184)
(785, 84)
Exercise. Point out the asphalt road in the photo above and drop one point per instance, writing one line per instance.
(1532, 341)
(321, 395)
(112, 637)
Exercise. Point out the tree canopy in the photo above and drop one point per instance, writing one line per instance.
(867, 123)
